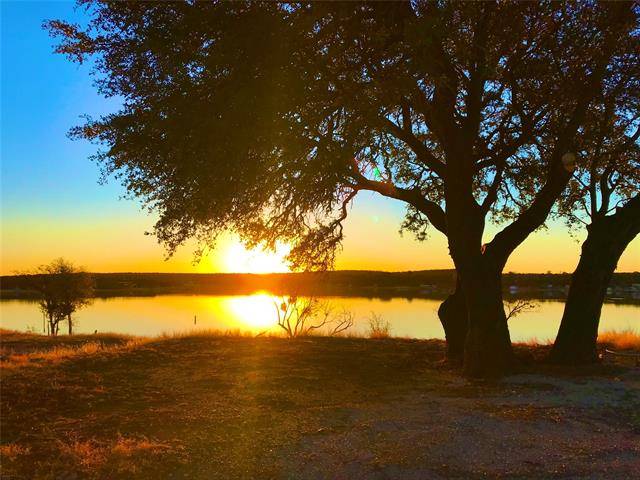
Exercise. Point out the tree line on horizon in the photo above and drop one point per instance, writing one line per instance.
(267, 119)
(316, 282)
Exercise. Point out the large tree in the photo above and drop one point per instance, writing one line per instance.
(603, 197)
(267, 119)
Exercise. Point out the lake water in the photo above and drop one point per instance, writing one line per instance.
(256, 313)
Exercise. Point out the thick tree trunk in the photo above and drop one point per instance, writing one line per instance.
(487, 351)
(607, 239)
(454, 319)
(487, 346)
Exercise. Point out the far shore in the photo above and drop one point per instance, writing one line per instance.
(434, 284)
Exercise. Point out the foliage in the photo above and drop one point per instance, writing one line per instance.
(63, 289)
(518, 306)
(607, 173)
(268, 118)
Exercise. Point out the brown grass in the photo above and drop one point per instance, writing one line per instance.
(123, 454)
(216, 405)
(534, 342)
(202, 406)
(12, 450)
(620, 339)
(378, 327)
(56, 354)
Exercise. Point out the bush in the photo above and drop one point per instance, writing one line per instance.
(378, 327)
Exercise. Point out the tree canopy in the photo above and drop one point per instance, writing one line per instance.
(267, 119)
(63, 289)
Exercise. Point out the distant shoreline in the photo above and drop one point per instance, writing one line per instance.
(436, 284)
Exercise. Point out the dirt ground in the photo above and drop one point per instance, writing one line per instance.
(207, 407)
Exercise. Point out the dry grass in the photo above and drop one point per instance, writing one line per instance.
(11, 451)
(620, 339)
(535, 342)
(215, 405)
(10, 359)
(378, 327)
(18, 349)
(208, 405)
(123, 454)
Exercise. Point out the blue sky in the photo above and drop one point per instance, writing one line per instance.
(43, 95)
(52, 205)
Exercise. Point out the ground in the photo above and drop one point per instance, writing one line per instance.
(211, 406)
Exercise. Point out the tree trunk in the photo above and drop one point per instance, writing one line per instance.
(70, 323)
(487, 346)
(454, 319)
(487, 351)
(607, 238)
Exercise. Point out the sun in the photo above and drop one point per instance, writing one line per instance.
(238, 259)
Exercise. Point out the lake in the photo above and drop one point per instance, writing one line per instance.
(416, 318)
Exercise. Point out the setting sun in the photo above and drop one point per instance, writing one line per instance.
(238, 259)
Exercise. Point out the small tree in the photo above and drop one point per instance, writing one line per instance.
(518, 306)
(64, 289)
(43, 282)
(300, 316)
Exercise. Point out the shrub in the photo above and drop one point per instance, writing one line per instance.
(378, 327)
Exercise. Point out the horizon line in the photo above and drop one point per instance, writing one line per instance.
(18, 274)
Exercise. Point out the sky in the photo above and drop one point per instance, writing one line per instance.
(53, 206)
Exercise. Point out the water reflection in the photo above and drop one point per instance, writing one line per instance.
(256, 313)
(252, 311)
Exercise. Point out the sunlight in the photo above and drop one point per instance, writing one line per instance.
(256, 312)
(238, 259)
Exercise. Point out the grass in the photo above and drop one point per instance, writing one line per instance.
(378, 327)
(620, 339)
(226, 405)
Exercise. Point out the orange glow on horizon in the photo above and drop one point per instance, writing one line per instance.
(236, 258)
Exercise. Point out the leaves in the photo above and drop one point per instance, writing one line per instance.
(267, 119)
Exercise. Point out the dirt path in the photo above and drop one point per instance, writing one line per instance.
(530, 426)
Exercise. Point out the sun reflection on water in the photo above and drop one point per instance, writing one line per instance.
(255, 312)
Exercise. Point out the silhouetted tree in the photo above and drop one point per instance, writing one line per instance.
(301, 316)
(604, 198)
(63, 288)
(268, 119)
(517, 306)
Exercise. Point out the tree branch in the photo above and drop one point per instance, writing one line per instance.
(413, 197)
(422, 152)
